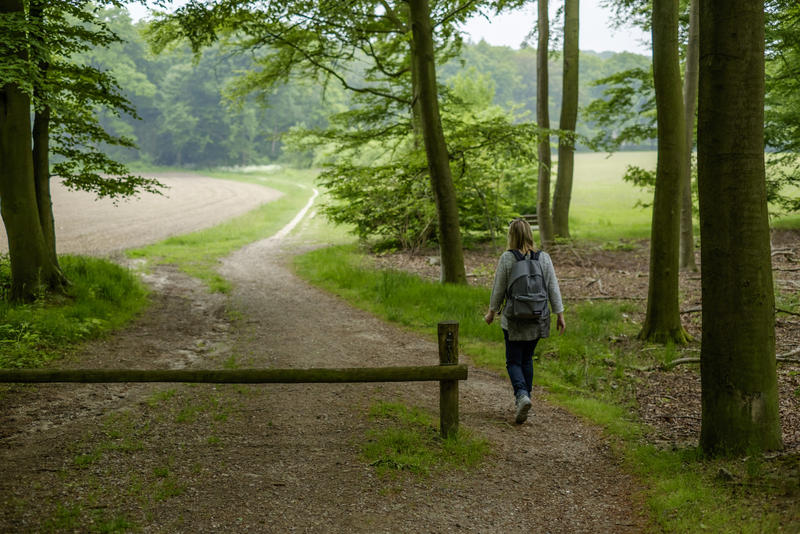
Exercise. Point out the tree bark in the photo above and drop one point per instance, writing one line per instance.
(452, 254)
(687, 261)
(569, 116)
(41, 162)
(44, 201)
(663, 323)
(543, 120)
(30, 265)
(738, 375)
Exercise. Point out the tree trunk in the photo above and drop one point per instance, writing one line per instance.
(44, 201)
(738, 376)
(569, 115)
(452, 254)
(543, 119)
(687, 262)
(26, 246)
(663, 323)
(41, 163)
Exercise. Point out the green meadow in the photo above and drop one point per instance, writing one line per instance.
(604, 207)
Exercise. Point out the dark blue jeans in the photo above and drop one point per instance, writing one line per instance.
(519, 364)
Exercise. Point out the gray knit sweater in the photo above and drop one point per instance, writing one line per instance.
(524, 330)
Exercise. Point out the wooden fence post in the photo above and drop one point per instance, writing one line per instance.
(448, 389)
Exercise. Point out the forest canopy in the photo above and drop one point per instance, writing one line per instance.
(196, 111)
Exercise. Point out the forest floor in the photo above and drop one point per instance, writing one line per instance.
(668, 401)
(284, 458)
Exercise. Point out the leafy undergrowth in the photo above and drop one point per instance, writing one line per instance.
(591, 372)
(407, 439)
(101, 297)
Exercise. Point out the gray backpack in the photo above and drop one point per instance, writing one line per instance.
(526, 296)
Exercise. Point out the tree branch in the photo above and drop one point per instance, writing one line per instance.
(310, 58)
(454, 13)
(786, 357)
(392, 16)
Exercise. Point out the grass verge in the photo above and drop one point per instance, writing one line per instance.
(198, 253)
(102, 296)
(683, 491)
(408, 439)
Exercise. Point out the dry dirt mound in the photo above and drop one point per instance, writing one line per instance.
(85, 225)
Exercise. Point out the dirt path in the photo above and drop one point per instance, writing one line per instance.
(284, 458)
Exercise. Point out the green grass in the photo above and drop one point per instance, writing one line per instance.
(604, 207)
(198, 253)
(74, 517)
(102, 296)
(407, 439)
(787, 222)
(406, 299)
(582, 370)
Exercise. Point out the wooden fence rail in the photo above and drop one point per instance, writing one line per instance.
(448, 373)
(239, 376)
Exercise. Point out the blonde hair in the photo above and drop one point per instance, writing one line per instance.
(520, 236)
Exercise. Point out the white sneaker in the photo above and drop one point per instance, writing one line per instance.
(523, 405)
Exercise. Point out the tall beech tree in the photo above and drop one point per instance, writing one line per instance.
(690, 81)
(543, 120)
(32, 269)
(426, 93)
(738, 375)
(662, 322)
(41, 148)
(569, 116)
(40, 77)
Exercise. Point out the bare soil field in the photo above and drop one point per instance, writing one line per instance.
(86, 225)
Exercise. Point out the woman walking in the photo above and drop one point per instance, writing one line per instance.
(522, 334)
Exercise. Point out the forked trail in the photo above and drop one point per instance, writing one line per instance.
(286, 458)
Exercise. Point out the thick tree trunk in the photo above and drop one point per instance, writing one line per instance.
(44, 201)
(687, 262)
(663, 323)
(739, 383)
(41, 159)
(569, 116)
(543, 119)
(452, 254)
(30, 266)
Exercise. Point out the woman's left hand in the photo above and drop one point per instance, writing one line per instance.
(561, 325)
(489, 317)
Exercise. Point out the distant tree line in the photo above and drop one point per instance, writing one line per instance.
(196, 112)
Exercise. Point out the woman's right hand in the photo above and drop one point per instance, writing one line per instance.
(489, 317)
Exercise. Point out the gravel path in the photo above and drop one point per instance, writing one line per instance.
(285, 458)
(552, 474)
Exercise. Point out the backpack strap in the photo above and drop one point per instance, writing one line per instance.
(517, 254)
